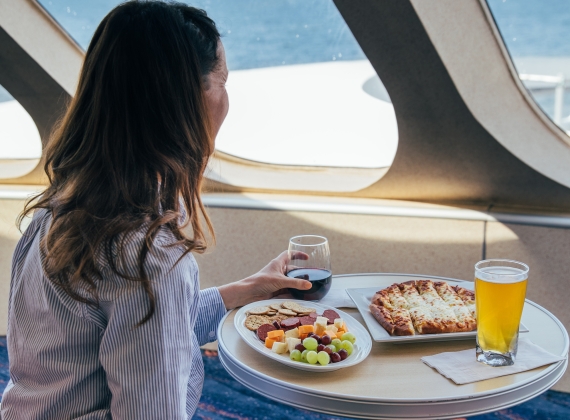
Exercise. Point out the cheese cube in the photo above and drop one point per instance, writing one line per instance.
(322, 320)
(279, 347)
(331, 328)
(269, 343)
(338, 323)
(294, 333)
(292, 342)
(331, 334)
(277, 335)
(320, 328)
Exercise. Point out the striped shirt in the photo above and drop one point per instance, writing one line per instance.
(70, 360)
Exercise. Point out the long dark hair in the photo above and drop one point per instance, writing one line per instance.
(134, 141)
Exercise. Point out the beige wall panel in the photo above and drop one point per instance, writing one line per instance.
(248, 239)
(9, 236)
(547, 252)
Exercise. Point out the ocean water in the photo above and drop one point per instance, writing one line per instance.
(262, 33)
(256, 33)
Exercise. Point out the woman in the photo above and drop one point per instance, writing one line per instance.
(106, 316)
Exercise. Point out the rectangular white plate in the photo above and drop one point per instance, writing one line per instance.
(363, 296)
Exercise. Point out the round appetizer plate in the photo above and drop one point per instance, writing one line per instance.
(362, 346)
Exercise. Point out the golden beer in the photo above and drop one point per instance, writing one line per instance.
(500, 290)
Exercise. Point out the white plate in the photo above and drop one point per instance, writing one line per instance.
(362, 346)
(363, 296)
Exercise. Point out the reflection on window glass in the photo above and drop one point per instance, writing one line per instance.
(301, 90)
(536, 34)
(20, 144)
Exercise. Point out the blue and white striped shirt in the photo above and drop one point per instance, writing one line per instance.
(70, 360)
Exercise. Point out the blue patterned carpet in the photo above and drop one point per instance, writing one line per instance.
(225, 399)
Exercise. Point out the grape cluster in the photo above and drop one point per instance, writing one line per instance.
(323, 350)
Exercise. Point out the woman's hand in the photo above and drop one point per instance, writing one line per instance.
(269, 282)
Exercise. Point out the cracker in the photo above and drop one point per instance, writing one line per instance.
(253, 322)
(306, 311)
(278, 317)
(259, 310)
(275, 306)
(287, 312)
(290, 305)
(271, 313)
(293, 306)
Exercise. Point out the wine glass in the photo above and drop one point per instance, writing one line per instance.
(309, 258)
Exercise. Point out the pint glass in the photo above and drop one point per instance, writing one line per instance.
(500, 290)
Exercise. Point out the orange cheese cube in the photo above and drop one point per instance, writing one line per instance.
(303, 336)
(277, 335)
(339, 333)
(269, 343)
(306, 329)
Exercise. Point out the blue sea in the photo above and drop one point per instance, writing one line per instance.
(263, 33)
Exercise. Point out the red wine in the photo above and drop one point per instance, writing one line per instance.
(321, 281)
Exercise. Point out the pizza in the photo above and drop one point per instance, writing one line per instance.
(424, 307)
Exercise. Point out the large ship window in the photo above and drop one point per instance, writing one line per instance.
(20, 143)
(536, 35)
(302, 92)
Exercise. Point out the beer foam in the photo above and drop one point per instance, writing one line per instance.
(503, 275)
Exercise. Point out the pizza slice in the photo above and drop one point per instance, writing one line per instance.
(468, 298)
(388, 308)
(447, 293)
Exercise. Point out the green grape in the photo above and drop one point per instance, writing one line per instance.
(295, 355)
(333, 348)
(312, 357)
(348, 336)
(310, 343)
(336, 342)
(323, 358)
(347, 345)
(304, 356)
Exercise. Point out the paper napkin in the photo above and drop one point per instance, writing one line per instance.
(338, 298)
(462, 368)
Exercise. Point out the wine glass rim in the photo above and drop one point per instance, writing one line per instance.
(324, 240)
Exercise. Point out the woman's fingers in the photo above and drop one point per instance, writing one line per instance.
(291, 283)
(299, 255)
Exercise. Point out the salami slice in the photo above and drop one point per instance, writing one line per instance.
(331, 315)
(307, 320)
(263, 330)
(290, 323)
(313, 315)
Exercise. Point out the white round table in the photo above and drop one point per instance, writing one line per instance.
(393, 383)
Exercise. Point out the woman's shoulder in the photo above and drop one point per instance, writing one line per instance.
(162, 252)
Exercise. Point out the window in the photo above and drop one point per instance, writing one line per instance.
(302, 93)
(20, 143)
(536, 35)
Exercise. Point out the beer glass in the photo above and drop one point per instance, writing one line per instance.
(500, 290)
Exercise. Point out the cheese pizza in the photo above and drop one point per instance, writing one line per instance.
(424, 307)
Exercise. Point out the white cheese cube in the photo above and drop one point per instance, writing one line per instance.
(294, 333)
(332, 328)
(279, 347)
(338, 323)
(322, 320)
(292, 342)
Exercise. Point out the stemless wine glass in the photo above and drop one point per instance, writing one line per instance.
(309, 258)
